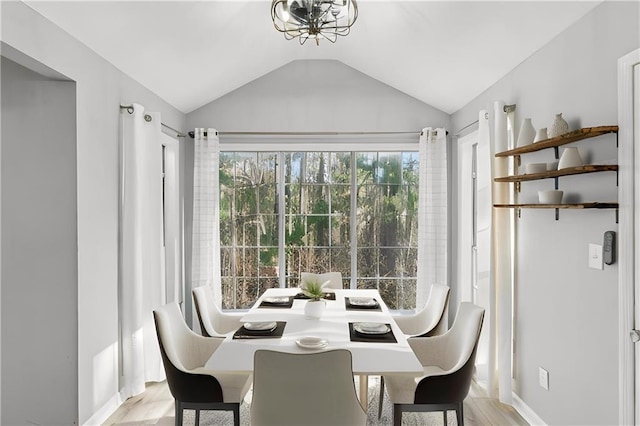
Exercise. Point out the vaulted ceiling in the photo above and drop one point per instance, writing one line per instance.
(190, 53)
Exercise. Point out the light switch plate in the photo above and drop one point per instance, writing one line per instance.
(543, 378)
(595, 256)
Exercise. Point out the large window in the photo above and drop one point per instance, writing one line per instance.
(282, 213)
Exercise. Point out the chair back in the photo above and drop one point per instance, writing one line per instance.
(206, 310)
(334, 278)
(435, 310)
(461, 344)
(465, 333)
(179, 355)
(304, 389)
(213, 322)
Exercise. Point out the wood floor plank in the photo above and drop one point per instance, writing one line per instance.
(155, 407)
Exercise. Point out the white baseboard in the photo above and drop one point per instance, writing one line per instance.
(103, 413)
(526, 412)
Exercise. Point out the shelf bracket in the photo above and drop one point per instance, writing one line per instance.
(617, 215)
(556, 152)
(517, 161)
(557, 214)
(555, 182)
(518, 186)
(519, 213)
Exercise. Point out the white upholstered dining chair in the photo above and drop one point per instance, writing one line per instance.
(184, 354)
(431, 319)
(334, 278)
(428, 321)
(213, 322)
(314, 389)
(449, 363)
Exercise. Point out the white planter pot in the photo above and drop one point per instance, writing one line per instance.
(314, 308)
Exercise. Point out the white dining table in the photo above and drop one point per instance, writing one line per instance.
(369, 358)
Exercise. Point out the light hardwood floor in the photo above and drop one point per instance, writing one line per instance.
(155, 407)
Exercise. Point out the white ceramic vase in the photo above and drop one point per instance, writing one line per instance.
(570, 158)
(558, 127)
(527, 133)
(314, 308)
(541, 135)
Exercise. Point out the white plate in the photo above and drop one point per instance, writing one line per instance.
(371, 327)
(362, 301)
(277, 299)
(312, 342)
(260, 326)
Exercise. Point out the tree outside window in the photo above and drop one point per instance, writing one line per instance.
(322, 232)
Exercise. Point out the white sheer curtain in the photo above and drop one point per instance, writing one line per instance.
(495, 257)
(205, 265)
(141, 277)
(433, 213)
(501, 277)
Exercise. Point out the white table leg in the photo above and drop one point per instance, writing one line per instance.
(364, 390)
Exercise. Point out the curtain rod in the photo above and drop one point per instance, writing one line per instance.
(507, 109)
(192, 133)
(147, 117)
(466, 127)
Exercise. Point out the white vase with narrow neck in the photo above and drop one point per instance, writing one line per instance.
(527, 133)
(558, 127)
(570, 158)
(314, 308)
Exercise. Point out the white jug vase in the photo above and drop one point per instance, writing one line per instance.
(558, 127)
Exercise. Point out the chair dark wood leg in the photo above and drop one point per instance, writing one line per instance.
(381, 397)
(236, 415)
(397, 415)
(197, 417)
(178, 421)
(460, 414)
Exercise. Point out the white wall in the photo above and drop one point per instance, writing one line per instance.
(312, 96)
(100, 90)
(40, 262)
(566, 313)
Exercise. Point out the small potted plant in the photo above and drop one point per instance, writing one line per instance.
(316, 304)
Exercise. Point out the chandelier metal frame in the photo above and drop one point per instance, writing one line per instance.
(314, 19)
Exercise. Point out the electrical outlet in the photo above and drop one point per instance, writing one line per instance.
(543, 378)
(595, 256)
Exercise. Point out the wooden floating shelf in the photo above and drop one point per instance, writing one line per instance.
(559, 206)
(576, 135)
(592, 168)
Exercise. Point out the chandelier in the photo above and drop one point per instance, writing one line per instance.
(314, 19)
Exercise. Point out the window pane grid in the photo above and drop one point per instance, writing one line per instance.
(318, 216)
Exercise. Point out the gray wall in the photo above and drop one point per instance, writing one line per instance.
(100, 88)
(311, 96)
(39, 249)
(566, 313)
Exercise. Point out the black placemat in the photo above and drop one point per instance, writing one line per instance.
(327, 296)
(375, 338)
(266, 304)
(243, 333)
(349, 307)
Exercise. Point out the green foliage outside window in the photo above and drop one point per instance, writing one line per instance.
(317, 218)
